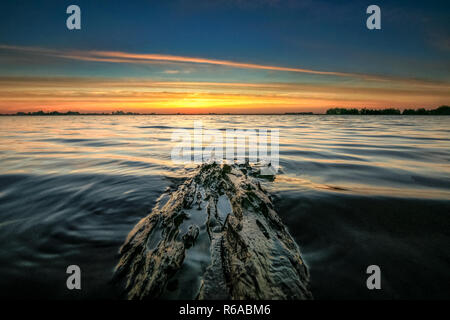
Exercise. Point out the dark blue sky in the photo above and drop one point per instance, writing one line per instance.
(314, 34)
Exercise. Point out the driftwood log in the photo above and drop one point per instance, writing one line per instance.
(216, 237)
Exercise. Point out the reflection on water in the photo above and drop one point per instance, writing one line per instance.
(354, 191)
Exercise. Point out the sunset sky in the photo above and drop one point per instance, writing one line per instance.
(261, 56)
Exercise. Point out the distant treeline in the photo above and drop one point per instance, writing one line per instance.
(71, 113)
(442, 110)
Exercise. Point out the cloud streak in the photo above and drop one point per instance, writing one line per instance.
(163, 59)
(127, 57)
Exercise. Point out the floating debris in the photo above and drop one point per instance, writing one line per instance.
(216, 237)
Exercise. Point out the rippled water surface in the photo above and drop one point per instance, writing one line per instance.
(353, 191)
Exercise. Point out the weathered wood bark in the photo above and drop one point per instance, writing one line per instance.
(216, 237)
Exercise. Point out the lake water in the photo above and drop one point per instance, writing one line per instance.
(352, 190)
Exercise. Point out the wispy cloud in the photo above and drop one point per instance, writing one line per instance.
(176, 71)
(163, 59)
(127, 57)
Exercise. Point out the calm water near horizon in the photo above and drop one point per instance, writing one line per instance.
(352, 190)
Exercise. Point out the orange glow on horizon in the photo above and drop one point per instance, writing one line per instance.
(146, 96)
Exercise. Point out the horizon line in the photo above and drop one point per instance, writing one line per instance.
(124, 113)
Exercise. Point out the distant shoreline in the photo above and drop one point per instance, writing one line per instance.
(440, 111)
(216, 114)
